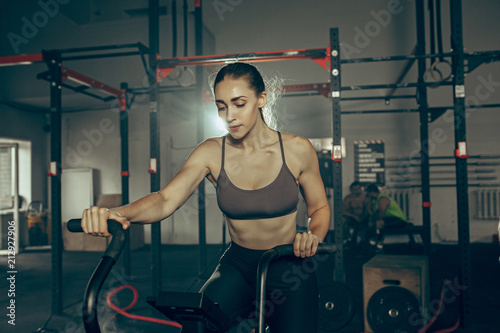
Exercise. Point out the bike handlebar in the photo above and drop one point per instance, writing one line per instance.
(102, 270)
(265, 260)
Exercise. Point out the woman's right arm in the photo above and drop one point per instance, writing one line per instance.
(158, 205)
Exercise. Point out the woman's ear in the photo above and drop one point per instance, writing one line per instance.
(262, 99)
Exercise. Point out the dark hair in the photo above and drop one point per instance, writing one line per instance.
(239, 70)
(355, 183)
(259, 83)
(372, 188)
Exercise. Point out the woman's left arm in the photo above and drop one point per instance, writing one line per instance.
(318, 210)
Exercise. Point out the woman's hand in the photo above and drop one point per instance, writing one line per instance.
(305, 244)
(95, 221)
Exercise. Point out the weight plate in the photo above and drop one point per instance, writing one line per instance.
(393, 310)
(336, 307)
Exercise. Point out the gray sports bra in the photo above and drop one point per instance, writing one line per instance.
(279, 198)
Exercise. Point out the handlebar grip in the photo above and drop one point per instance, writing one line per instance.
(287, 249)
(75, 225)
(327, 248)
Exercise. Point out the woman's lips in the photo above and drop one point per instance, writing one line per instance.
(235, 128)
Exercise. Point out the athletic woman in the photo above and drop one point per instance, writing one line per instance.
(257, 172)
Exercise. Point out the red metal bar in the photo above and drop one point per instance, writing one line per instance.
(22, 59)
(69, 74)
(167, 65)
(162, 73)
(254, 57)
(321, 88)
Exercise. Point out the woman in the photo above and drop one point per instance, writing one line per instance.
(257, 172)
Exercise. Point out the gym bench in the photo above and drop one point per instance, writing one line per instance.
(410, 230)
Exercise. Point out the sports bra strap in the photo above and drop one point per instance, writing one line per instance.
(282, 150)
(223, 150)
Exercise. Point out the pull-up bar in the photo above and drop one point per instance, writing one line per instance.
(28, 59)
(140, 46)
(85, 83)
(68, 74)
(166, 65)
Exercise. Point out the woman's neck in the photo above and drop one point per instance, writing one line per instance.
(258, 137)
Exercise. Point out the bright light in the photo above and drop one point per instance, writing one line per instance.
(214, 125)
(219, 123)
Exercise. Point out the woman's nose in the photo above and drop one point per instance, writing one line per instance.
(230, 114)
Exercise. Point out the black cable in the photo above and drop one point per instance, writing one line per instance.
(185, 9)
(174, 28)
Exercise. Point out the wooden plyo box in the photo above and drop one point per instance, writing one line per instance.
(408, 272)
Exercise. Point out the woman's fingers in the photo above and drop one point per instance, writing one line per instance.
(305, 244)
(103, 215)
(95, 221)
(314, 244)
(296, 245)
(84, 221)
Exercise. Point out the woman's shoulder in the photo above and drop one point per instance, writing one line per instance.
(210, 144)
(297, 144)
(208, 149)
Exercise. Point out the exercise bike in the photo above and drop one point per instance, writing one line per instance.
(194, 311)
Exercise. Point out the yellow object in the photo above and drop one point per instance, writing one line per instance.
(33, 220)
(38, 222)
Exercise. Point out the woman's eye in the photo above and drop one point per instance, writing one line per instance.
(240, 105)
(222, 108)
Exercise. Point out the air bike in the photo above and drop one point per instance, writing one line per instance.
(194, 311)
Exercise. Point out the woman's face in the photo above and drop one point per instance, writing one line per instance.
(238, 106)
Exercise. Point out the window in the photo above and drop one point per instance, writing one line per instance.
(7, 176)
(8, 195)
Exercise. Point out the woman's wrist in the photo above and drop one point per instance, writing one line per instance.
(114, 211)
(309, 232)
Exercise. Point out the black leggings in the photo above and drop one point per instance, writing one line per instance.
(291, 296)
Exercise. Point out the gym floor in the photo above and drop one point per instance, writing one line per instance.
(180, 273)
